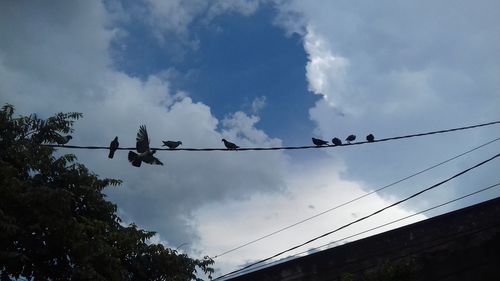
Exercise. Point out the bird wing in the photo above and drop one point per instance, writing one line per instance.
(231, 145)
(171, 144)
(142, 144)
(319, 141)
(134, 159)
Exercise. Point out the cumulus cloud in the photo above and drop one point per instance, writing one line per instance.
(317, 182)
(173, 18)
(69, 70)
(375, 75)
(325, 72)
(394, 68)
(401, 54)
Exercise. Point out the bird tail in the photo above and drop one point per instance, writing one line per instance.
(111, 154)
(157, 162)
(134, 159)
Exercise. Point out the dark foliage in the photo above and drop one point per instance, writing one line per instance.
(55, 222)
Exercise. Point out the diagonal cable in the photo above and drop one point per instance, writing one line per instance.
(362, 218)
(352, 200)
(383, 225)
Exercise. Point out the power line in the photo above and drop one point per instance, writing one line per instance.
(382, 225)
(412, 215)
(362, 218)
(281, 147)
(437, 243)
(352, 200)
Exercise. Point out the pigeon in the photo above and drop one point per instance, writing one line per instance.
(230, 145)
(350, 138)
(370, 138)
(319, 142)
(145, 153)
(336, 141)
(172, 144)
(63, 140)
(113, 146)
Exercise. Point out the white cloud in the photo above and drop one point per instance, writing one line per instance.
(244, 7)
(175, 17)
(395, 68)
(317, 183)
(395, 53)
(325, 72)
(258, 104)
(69, 70)
(57, 59)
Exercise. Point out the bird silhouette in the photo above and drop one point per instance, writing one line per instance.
(319, 142)
(145, 153)
(350, 138)
(370, 138)
(336, 141)
(172, 144)
(63, 140)
(113, 146)
(229, 145)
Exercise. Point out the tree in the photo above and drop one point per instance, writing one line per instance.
(55, 222)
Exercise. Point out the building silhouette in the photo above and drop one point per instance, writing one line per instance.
(460, 245)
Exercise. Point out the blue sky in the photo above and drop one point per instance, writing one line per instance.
(238, 59)
(263, 73)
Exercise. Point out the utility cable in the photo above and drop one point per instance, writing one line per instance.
(362, 218)
(433, 243)
(380, 226)
(281, 147)
(352, 200)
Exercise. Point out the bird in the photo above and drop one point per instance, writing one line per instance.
(370, 138)
(145, 153)
(113, 146)
(172, 144)
(350, 138)
(229, 145)
(63, 140)
(336, 141)
(319, 142)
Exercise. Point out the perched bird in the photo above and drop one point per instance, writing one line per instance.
(370, 138)
(336, 141)
(350, 138)
(113, 146)
(229, 145)
(172, 144)
(145, 153)
(63, 140)
(319, 142)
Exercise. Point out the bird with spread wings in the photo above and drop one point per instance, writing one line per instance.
(145, 153)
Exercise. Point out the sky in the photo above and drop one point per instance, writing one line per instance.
(264, 73)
